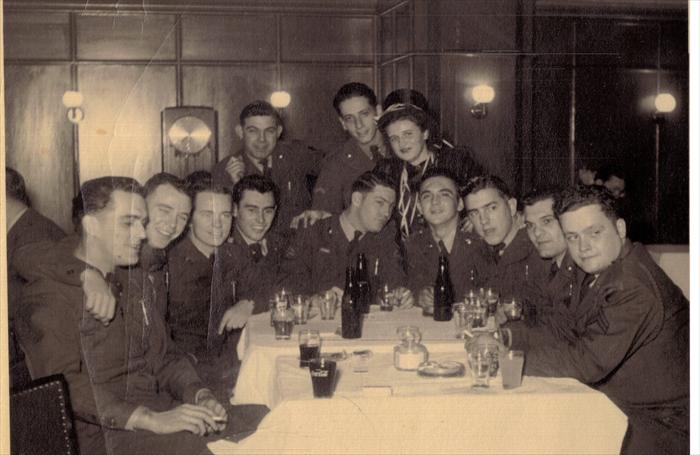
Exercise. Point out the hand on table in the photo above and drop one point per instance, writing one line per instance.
(206, 398)
(308, 218)
(236, 316)
(99, 301)
(197, 419)
(426, 297)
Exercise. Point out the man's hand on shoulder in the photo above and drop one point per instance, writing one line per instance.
(308, 218)
(99, 301)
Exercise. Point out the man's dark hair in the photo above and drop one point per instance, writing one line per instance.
(488, 181)
(15, 187)
(536, 195)
(610, 170)
(96, 194)
(398, 112)
(368, 181)
(202, 181)
(440, 172)
(165, 178)
(580, 196)
(257, 183)
(353, 90)
(260, 108)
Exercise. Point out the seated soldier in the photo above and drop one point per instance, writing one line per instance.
(113, 393)
(253, 253)
(510, 260)
(440, 203)
(630, 337)
(198, 291)
(316, 260)
(406, 128)
(287, 164)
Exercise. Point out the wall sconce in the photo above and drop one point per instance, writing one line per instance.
(664, 104)
(72, 101)
(280, 99)
(482, 95)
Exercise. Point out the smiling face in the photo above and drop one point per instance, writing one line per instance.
(544, 230)
(211, 219)
(407, 140)
(594, 240)
(439, 201)
(259, 134)
(357, 118)
(168, 213)
(491, 214)
(254, 214)
(374, 208)
(116, 231)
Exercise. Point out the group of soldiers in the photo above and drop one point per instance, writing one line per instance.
(141, 310)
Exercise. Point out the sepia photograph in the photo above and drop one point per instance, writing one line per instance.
(346, 227)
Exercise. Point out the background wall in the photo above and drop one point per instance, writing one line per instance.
(574, 83)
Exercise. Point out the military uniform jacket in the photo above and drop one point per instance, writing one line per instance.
(255, 279)
(338, 172)
(107, 373)
(423, 253)
(291, 163)
(317, 258)
(519, 266)
(631, 342)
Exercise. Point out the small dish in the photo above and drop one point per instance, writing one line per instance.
(447, 369)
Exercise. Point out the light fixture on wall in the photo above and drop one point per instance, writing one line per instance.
(482, 95)
(72, 100)
(664, 103)
(280, 99)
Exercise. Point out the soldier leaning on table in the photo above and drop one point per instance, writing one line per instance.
(510, 261)
(317, 258)
(630, 327)
(439, 203)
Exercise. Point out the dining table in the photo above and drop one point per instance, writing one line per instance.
(376, 408)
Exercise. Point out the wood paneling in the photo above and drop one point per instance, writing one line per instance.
(37, 36)
(616, 42)
(126, 36)
(311, 116)
(403, 73)
(387, 39)
(227, 90)
(248, 38)
(39, 141)
(404, 29)
(327, 39)
(121, 131)
(476, 24)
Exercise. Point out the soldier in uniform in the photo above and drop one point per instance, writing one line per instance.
(440, 203)
(317, 259)
(286, 164)
(511, 260)
(630, 327)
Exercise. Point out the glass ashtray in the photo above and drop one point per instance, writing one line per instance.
(447, 369)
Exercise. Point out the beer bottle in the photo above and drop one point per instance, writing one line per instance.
(350, 313)
(443, 296)
(363, 287)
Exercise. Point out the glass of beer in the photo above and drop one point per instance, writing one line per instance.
(309, 346)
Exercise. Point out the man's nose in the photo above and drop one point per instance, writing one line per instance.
(216, 221)
(584, 244)
(140, 231)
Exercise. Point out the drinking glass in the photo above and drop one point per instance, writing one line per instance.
(283, 323)
(328, 304)
(479, 361)
(300, 306)
(309, 346)
(322, 377)
(511, 364)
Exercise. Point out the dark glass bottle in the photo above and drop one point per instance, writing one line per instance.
(363, 287)
(350, 313)
(443, 296)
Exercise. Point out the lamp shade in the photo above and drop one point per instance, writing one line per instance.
(483, 93)
(664, 103)
(280, 99)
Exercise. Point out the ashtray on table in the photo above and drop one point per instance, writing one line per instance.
(447, 369)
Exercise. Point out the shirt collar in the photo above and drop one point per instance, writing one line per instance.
(14, 220)
(348, 228)
(263, 242)
(448, 240)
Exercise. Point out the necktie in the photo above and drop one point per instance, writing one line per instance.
(267, 172)
(256, 251)
(496, 251)
(374, 150)
(585, 286)
(553, 269)
(443, 249)
(352, 246)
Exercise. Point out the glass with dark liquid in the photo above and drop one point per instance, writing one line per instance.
(322, 377)
(309, 346)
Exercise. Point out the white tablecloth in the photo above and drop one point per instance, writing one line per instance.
(543, 416)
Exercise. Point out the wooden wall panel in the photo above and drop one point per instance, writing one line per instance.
(616, 42)
(37, 35)
(404, 29)
(327, 38)
(228, 90)
(126, 36)
(249, 37)
(403, 73)
(121, 131)
(39, 140)
(311, 116)
(386, 40)
(476, 24)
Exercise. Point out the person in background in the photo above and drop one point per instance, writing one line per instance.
(511, 260)
(286, 164)
(612, 177)
(24, 226)
(406, 128)
(440, 203)
(316, 261)
(631, 325)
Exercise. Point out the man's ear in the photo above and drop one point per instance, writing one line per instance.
(342, 123)
(234, 210)
(460, 203)
(356, 198)
(239, 131)
(621, 227)
(426, 133)
(90, 224)
(513, 206)
(279, 131)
